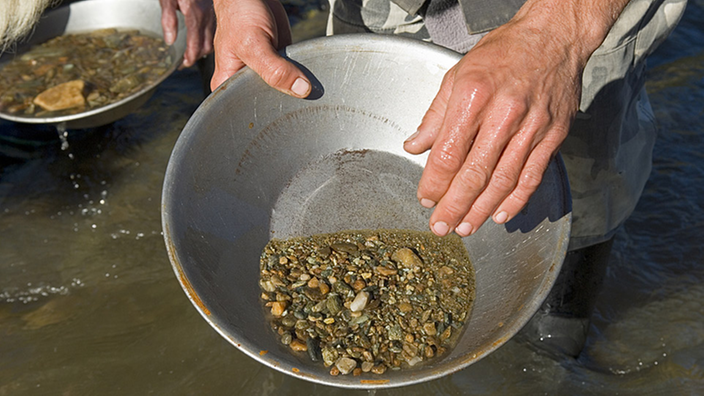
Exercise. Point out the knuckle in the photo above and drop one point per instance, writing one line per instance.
(274, 75)
(454, 211)
(527, 185)
(445, 162)
(503, 180)
(473, 178)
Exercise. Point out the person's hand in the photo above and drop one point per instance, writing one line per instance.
(501, 114)
(250, 32)
(200, 26)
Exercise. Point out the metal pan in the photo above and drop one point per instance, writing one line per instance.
(88, 15)
(253, 163)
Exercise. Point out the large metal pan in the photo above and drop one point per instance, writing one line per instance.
(253, 163)
(83, 16)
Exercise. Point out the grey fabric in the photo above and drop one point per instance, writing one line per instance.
(410, 6)
(479, 15)
(446, 26)
(484, 15)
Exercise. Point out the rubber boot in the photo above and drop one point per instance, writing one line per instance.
(560, 326)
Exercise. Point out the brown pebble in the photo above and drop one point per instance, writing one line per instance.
(324, 288)
(379, 369)
(63, 96)
(278, 308)
(446, 334)
(357, 372)
(429, 328)
(334, 371)
(405, 307)
(358, 285)
(298, 345)
(314, 283)
(386, 271)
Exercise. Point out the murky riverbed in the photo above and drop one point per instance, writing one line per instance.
(89, 303)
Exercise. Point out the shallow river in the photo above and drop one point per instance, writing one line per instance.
(89, 303)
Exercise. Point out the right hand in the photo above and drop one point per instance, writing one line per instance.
(250, 33)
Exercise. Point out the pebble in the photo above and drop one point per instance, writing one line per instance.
(367, 306)
(367, 366)
(298, 345)
(346, 365)
(359, 302)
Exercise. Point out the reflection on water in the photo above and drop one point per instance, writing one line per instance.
(89, 303)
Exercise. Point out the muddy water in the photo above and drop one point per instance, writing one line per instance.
(89, 303)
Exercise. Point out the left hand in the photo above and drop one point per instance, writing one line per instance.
(200, 26)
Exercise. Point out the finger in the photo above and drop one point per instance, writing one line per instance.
(169, 21)
(422, 140)
(501, 123)
(193, 47)
(528, 182)
(456, 135)
(503, 181)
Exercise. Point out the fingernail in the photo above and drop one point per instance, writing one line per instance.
(464, 229)
(501, 218)
(412, 136)
(426, 203)
(169, 38)
(300, 87)
(440, 228)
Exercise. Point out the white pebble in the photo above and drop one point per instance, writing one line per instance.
(360, 301)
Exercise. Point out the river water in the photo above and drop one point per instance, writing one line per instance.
(89, 303)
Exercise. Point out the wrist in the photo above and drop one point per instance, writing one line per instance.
(579, 26)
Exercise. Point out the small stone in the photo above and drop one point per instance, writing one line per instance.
(313, 283)
(357, 372)
(346, 365)
(414, 360)
(278, 308)
(358, 285)
(429, 328)
(286, 338)
(344, 247)
(359, 302)
(367, 366)
(63, 96)
(379, 369)
(405, 307)
(407, 258)
(298, 345)
(334, 371)
(329, 355)
(446, 334)
(386, 271)
(324, 288)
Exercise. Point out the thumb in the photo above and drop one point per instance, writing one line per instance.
(264, 60)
